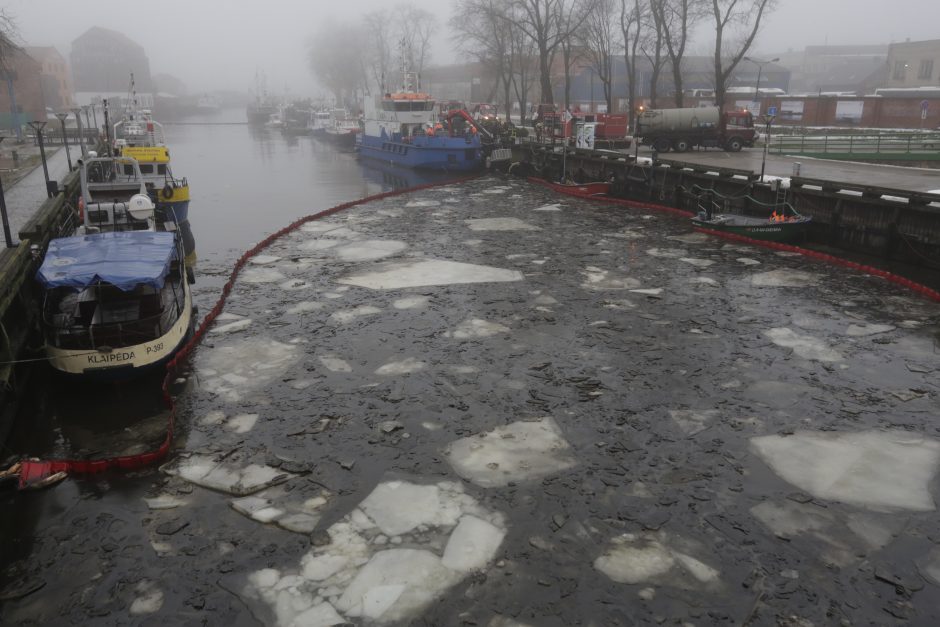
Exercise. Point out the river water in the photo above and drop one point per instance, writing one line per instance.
(484, 404)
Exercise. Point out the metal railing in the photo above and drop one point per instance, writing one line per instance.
(921, 146)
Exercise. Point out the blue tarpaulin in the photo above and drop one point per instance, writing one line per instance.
(123, 259)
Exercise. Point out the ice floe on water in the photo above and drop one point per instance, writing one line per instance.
(232, 369)
(598, 279)
(667, 253)
(690, 238)
(698, 263)
(747, 261)
(439, 536)
(784, 278)
(263, 260)
(279, 506)
(164, 501)
(316, 245)
(500, 224)
(334, 364)
(305, 306)
(691, 421)
(348, 315)
(704, 280)
(242, 423)
(231, 327)
(879, 470)
(422, 203)
(805, 346)
(552, 207)
(412, 302)
(294, 284)
(405, 366)
(369, 250)
(476, 328)
(656, 558)
(261, 275)
(520, 451)
(868, 329)
(209, 473)
(149, 599)
(649, 291)
(429, 272)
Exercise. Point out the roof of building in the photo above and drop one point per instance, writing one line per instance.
(41, 53)
(97, 32)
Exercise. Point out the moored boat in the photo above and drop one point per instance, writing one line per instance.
(402, 128)
(594, 188)
(791, 228)
(114, 304)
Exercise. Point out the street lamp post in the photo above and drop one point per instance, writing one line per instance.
(763, 162)
(3, 214)
(65, 138)
(85, 108)
(81, 130)
(37, 126)
(760, 67)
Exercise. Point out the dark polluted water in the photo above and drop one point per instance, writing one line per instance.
(484, 404)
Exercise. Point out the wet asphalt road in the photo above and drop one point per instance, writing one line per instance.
(658, 395)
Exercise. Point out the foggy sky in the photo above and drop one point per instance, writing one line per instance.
(211, 44)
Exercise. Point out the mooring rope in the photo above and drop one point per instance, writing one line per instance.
(34, 471)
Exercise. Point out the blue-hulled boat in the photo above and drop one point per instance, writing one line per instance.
(402, 128)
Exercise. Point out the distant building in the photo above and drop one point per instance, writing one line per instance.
(24, 79)
(56, 80)
(102, 63)
(834, 69)
(913, 64)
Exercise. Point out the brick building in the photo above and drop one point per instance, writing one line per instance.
(56, 78)
(24, 75)
(102, 63)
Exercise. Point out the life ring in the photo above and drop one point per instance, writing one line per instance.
(167, 192)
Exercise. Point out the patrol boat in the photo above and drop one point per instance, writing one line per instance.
(402, 128)
(116, 297)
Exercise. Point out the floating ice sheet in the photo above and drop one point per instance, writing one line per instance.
(314, 245)
(335, 364)
(231, 327)
(422, 203)
(747, 261)
(690, 238)
(358, 576)
(599, 280)
(243, 423)
(405, 366)
(347, 316)
(263, 260)
(251, 363)
(304, 307)
(214, 475)
(692, 422)
(880, 470)
(805, 346)
(500, 224)
(369, 250)
(149, 599)
(698, 263)
(520, 451)
(667, 253)
(868, 329)
(784, 278)
(164, 501)
(429, 272)
(552, 207)
(277, 505)
(651, 558)
(475, 328)
(261, 275)
(412, 302)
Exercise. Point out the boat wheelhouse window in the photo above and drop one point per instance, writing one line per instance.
(161, 168)
(128, 169)
(145, 168)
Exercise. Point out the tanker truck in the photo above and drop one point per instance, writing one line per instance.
(681, 129)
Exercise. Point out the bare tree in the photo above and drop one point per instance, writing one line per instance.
(599, 37)
(632, 21)
(336, 59)
(9, 33)
(414, 29)
(483, 33)
(378, 56)
(735, 20)
(571, 24)
(653, 49)
(677, 18)
(543, 22)
(525, 66)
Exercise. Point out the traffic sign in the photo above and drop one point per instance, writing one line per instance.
(924, 106)
(771, 110)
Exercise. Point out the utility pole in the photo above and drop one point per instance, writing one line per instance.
(760, 67)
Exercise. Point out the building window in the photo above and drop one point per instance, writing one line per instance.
(900, 70)
(926, 69)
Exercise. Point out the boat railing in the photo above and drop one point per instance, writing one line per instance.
(710, 201)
